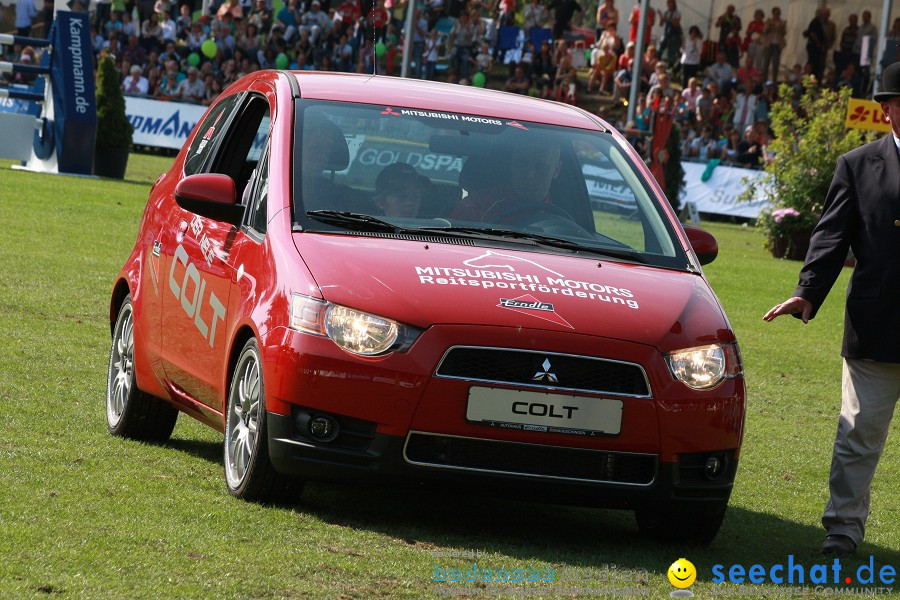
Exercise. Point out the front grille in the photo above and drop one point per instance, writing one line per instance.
(529, 459)
(544, 369)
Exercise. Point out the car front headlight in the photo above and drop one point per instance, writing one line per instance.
(353, 330)
(705, 367)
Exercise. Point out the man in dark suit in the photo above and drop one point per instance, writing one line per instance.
(862, 213)
(816, 49)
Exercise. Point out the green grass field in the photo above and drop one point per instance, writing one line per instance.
(86, 515)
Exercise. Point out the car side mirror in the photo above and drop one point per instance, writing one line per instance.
(704, 244)
(210, 195)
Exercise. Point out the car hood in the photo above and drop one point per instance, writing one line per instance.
(425, 283)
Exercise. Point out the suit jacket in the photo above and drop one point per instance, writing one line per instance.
(862, 212)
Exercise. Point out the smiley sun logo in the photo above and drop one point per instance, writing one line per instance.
(682, 574)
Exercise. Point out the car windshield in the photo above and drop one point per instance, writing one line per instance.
(396, 170)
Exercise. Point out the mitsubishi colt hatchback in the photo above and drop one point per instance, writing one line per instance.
(365, 278)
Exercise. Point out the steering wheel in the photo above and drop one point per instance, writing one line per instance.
(559, 222)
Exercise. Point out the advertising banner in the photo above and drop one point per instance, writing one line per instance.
(718, 195)
(161, 124)
(74, 106)
(867, 115)
(21, 107)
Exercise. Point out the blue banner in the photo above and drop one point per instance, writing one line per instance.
(74, 104)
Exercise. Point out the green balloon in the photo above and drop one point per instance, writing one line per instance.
(281, 61)
(193, 59)
(479, 80)
(380, 49)
(209, 48)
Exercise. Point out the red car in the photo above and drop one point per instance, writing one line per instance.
(367, 278)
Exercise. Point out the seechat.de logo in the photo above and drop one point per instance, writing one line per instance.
(792, 573)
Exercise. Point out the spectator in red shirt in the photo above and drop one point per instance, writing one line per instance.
(377, 21)
(349, 12)
(635, 19)
(753, 44)
(748, 73)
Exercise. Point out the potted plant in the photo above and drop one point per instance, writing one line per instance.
(788, 232)
(810, 135)
(113, 129)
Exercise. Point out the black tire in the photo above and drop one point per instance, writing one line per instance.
(249, 473)
(130, 413)
(695, 525)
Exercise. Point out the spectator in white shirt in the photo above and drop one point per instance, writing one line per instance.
(168, 27)
(136, 84)
(191, 89)
(745, 107)
(721, 72)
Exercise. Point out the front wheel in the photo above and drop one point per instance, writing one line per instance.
(131, 413)
(697, 525)
(249, 473)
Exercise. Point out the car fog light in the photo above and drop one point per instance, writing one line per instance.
(714, 466)
(322, 427)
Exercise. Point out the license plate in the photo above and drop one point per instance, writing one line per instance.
(538, 411)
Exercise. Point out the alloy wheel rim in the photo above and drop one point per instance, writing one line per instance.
(121, 367)
(243, 419)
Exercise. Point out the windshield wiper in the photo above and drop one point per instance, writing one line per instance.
(352, 220)
(546, 240)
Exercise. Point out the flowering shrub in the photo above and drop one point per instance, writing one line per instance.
(779, 215)
(809, 137)
(787, 231)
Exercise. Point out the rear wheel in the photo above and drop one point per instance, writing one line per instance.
(698, 525)
(131, 413)
(249, 473)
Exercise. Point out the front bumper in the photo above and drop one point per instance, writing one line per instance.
(542, 473)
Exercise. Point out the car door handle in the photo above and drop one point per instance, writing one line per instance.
(182, 227)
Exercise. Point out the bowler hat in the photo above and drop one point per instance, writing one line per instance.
(891, 83)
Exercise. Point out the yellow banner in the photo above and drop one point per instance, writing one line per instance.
(866, 114)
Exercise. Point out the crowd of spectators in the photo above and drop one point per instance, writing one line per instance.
(718, 90)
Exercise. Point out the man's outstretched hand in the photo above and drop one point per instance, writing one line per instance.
(791, 306)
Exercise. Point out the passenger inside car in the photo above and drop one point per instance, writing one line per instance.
(399, 190)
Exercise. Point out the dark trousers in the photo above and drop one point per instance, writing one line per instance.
(817, 61)
(842, 59)
(688, 71)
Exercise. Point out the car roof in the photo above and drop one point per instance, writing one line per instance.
(436, 96)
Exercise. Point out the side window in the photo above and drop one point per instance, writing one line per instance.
(239, 152)
(208, 134)
(257, 215)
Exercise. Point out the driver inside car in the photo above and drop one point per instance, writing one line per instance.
(530, 173)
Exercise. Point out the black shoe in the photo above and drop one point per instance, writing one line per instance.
(838, 544)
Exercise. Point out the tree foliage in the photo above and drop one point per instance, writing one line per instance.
(810, 135)
(674, 172)
(113, 128)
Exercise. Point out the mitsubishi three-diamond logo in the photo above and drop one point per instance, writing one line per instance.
(545, 375)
